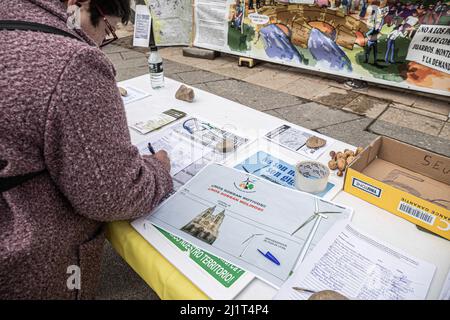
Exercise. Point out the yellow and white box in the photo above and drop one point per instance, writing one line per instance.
(407, 181)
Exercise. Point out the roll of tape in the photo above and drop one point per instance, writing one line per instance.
(311, 176)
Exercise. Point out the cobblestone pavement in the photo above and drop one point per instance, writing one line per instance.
(317, 102)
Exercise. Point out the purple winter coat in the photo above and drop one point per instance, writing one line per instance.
(60, 111)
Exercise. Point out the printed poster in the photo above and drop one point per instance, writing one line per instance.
(374, 40)
(172, 21)
(217, 278)
(251, 223)
(264, 165)
(295, 140)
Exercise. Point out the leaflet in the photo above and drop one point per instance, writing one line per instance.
(254, 224)
(359, 267)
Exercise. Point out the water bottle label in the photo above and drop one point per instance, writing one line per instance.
(156, 67)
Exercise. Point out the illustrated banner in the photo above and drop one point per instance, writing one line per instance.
(397, 42)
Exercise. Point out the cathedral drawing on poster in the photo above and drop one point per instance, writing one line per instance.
(205, 226)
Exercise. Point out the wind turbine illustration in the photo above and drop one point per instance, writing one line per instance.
(317, 216)
(249, 240)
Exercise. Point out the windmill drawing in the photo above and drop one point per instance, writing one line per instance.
(249, 240)
(317, 217)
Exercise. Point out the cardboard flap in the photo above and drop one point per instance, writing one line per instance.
(367, 155)
(418, 160)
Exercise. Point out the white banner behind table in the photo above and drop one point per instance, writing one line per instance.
(431, 47)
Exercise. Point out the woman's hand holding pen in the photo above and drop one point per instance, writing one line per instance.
(163, 158)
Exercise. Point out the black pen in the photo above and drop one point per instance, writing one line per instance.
(150, 148)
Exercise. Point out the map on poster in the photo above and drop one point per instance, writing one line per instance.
(245, 220)
(172, 21)
(295, 140)
(266, 166)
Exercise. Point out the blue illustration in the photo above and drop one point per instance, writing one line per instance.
(278, 45)
(323, 48)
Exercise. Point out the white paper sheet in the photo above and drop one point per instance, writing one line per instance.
(182, 152)
(172, 21)
(133, 94)
(142, 26)
(359, 267)
(295, 139)
(445, 292)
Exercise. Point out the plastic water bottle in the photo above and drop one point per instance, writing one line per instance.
(155, 64)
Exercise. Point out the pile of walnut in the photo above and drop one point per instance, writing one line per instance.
(341, 160)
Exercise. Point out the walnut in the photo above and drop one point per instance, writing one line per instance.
(341, 164)
(349, 153)
(332, 164)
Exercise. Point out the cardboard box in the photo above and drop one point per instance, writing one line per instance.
(407, 181)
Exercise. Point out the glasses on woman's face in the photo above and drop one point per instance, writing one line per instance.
(110, 30)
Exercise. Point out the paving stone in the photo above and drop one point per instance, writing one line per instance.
(132, 63)
(236, 72)
(119, 281)
(174, 76)
(423, 112)
(391, 94)
(251, 95)
(335, 97)
(116, 58)
(352, 132)
(414, 137)
(311, 115)
(128, 73)
(112, 48)
(177, 55)
(433, 105)
(128, 55)
(200, 76)
(219, 62)
(172, 67)
(304, 88)
(414, 121)
(367, 106)
(273, 66)
(272, 78)
(273, 113)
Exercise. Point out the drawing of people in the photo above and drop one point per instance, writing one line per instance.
(372, 44)
(346, 6)
(441, 11)
(390, 17)
(445, 16)
(362, 13)
(392, 36)
(237, 19)
(410, 24)
(322, 3)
